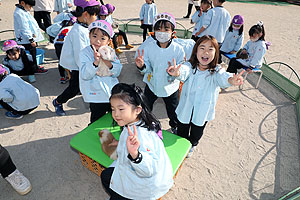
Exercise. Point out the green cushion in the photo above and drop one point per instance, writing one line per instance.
(87, 142)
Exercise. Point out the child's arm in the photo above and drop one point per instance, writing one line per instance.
(24, 27)
(78, 44)
(196, 17)
(257, 58)
(206, 21)
(87, 67)
(142, 12)
(239, 43)
(6, 96)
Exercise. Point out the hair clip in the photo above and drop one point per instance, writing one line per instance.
(260, 23)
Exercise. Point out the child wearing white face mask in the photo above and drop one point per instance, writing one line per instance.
(154, 60)
(255, 48)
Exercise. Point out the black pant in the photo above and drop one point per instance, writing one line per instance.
(220, 56)
(45, 16)
(145, 27)
(171, 103)
(98, 110)
(6, 164)
(114, 39)
(72, 90)
(9, 108)
(32, 51)
(58, 48)
(190, 7)
(105, 179)
(191, 132)
(234, 65)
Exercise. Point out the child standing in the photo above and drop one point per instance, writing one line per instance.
(63, 5)
(17, 96)
(216, 21)
(201, 89)
(234, 36)
(154, 60)
(26, 28)
(78, 38)
(255, 48)
(147, 14)
(96, 89)
(143, 169)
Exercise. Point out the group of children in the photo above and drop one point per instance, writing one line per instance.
(166, 62)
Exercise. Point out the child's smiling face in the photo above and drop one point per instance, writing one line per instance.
(98, 39)
(14, 54)
(206, 53)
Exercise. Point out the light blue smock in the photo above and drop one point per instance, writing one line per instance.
(256, 51)
(62, 5)
(76, 40)
(187, 44)
(54, 29)
(26, 27)
(16, 65)
(199, 95)
(152, 177)
(19, 94)
(62, 16)
(198, 22)
(147, 13)
(62, 35)
(96, 89)
(232, 41)
(216, 22)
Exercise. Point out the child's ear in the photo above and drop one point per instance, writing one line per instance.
(139, 109)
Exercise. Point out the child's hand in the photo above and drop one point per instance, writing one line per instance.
(33, 44)
(69, 5)
(173, 70)
(236, 79)
(139, 61)
(197, 33)
(132, 142)
(97, 56)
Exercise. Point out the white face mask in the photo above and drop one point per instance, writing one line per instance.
(254, 39)
(162, 37)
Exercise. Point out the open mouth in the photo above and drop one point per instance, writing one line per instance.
(205, 59)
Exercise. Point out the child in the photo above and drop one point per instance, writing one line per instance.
(109, 19)
(58, 44)
(234, 36)
(96, 89)
(78, 38)
(63, 5)
(147, 14)
(16, 95)
(10, 173)
(201, 89)
(198, 17)
(143, 169)
(42, 11)
(154, 60)
(27, 31)
(255, 48)
(18, 61)
(216, 21)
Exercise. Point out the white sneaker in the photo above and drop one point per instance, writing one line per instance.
(19, 182)
(190, 153)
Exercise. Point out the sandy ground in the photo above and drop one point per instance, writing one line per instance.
(250, 151)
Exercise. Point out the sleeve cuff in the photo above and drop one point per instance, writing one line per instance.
(137, 160)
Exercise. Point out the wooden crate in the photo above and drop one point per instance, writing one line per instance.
(91, 164)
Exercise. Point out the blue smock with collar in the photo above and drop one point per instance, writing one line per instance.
(198, 22)
(256, 51)
(76, 40)
(156, 60)
(147, 13)
(152, 177)
(232, 41)
(199, 95)
(25, 26)
(216, 22)
(96, 89)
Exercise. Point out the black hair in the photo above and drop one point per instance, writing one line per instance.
(102, 31)
(92, 10)
(163, 23)
(133, 95)
(29, 2)
(207, 2)
(221, 1)
(258, 28)
(2, 76)
(23, 56)
(241, 30)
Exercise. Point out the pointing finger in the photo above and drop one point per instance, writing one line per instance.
(240, 74)
(139, 53)
(142, 52)
(129, 131)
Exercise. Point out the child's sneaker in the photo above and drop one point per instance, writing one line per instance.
(63, 80)
(190, 153)
(19, 182)
(11, 115)
(118, 51)
(58, 108)
(129, 46)
(41, 70)
(31, 78)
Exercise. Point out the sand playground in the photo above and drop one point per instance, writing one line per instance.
(250, 151)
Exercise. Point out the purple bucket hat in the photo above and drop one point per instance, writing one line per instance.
(103, 10)
(2, 69)
(238, 20)
(86, 3)
(10, 44)
(165, 16)
(103, 25)
(110, 8)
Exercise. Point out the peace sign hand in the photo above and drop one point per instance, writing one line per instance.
(236, 79)
(173, 70)
(139, 61)
(133, 142)
(97, 56)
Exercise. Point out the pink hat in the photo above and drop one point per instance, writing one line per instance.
(110, 8)
(103, 10)
(165, 16)
(103, 25)
(10, 44)
(86, 3)
(2, 69)
(238, 20)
